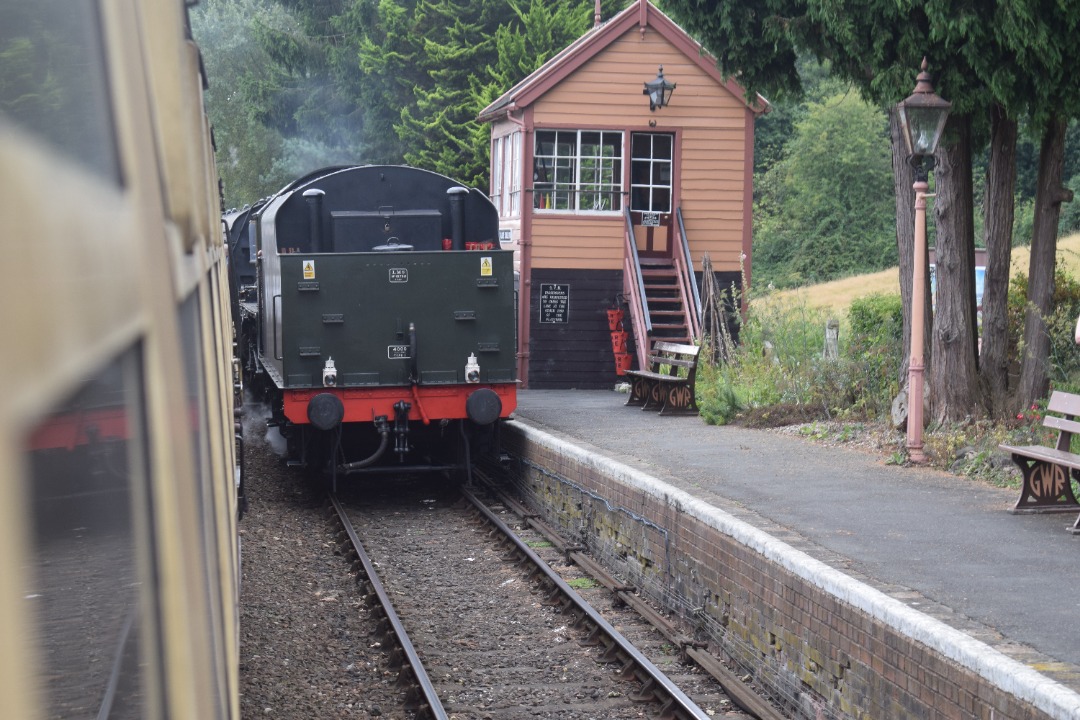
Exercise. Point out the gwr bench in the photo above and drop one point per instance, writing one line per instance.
(671, 392)
(1048, 471)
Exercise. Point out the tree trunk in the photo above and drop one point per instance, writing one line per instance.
(1049, 194)
(999, 209)
(953, 375)
(903, 179)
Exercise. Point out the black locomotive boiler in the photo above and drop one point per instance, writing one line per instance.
(384, 323)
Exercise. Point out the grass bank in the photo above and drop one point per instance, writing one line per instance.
(779, 377)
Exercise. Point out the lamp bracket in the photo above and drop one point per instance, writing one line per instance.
(923, 166)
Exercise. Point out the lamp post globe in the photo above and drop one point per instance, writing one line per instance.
(922, 116)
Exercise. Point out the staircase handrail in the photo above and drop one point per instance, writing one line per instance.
(689, 280)
(634, 289)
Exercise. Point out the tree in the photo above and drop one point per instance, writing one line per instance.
(953, 374)
(999, 210)
(877, 48)
(1013, 55)
(827, 212)
(1040, 35)
(386, 52)
(437, 132)
(246, 147)
(275, 107)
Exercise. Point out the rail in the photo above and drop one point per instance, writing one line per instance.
(634, 290)
(685, 266)
(427, 689)
(654, 682)
(742, 695)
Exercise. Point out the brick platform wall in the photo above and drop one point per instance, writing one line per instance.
(821, 644)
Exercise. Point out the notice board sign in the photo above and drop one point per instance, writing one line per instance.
(650, 219)
(554, 303)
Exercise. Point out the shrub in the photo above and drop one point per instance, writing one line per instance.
(779, 375)
(1063, 362)
(875, 352)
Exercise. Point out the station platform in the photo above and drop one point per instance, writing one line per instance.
(943, 545)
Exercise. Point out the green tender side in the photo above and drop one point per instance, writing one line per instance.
(357, 308)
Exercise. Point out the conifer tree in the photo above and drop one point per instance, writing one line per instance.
(1014, 54)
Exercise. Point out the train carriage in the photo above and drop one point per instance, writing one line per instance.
(119, 570)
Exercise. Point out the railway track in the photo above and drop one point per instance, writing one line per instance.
(494, 631)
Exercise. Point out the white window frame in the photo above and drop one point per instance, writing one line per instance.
(657, 176)
(514, 188)
(496, 174)
(506, 174)
(569, 178)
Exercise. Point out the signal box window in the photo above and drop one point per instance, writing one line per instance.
(506, 175)
(578, 170)
(650, 172)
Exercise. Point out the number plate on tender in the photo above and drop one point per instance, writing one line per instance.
(397, 352)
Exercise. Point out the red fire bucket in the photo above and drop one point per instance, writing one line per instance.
(614, 317)
(622, 362)
(618, 341)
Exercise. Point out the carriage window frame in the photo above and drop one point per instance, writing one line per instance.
(88, 462)
(578, 171)
(55, 83)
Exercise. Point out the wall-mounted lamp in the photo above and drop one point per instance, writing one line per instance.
(658, 90)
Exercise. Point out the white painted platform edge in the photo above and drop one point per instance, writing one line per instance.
(1002, 671)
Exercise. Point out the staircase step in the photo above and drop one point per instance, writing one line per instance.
(665, 299)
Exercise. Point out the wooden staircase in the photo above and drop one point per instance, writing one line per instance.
(666, 300)
(661, 293)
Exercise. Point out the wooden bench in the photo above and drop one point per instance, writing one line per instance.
(1047, 471)
(671, 392)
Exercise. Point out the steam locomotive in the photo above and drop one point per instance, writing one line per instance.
(381, 326)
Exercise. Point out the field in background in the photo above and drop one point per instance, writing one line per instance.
(835, 297)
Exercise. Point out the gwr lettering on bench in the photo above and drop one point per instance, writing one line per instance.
(1047, 472)
(671, 392)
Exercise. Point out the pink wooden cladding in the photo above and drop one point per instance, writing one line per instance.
(606, 92)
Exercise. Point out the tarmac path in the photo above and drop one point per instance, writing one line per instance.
(941, 543)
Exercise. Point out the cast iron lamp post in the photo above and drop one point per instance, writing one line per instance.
(659, 90)
(922, 119)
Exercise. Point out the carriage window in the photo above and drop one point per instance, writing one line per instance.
(53, 78)
(196, 380)
(577, 170)
(86, 462)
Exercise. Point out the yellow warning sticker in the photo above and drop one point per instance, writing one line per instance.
(309, 269)
(485, 267)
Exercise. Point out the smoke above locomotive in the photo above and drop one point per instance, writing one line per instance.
(384, 314)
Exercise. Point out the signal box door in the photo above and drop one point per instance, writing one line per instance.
(651, 170)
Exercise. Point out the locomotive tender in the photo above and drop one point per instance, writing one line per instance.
(119, 460)
(384, 325)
